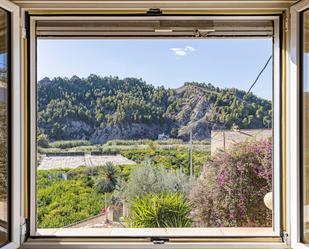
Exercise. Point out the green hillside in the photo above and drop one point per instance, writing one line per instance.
(104, 108)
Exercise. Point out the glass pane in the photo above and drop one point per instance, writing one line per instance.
(4, 84)
(132, 134)
(305, 87)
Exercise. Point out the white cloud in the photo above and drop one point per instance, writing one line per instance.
(182, 51)
(189, 48)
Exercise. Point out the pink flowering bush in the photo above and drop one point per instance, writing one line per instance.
(231, 189)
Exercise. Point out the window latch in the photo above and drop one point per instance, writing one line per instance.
(159, 241)
(154, 12)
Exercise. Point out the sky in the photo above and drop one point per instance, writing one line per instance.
(168, 62)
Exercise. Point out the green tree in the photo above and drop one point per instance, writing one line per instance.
(108, 182)
(42, 140)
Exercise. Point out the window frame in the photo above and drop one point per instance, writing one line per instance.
(294, 123)
(277, 158)
(14, 128)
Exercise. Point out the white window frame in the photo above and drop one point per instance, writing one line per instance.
(293, 124)
(16, 149)
(276, 158)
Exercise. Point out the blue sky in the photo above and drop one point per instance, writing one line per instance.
(169, 62)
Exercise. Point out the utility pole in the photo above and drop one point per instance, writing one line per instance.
(191, 167)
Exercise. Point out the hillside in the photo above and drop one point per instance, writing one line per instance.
(103, 108)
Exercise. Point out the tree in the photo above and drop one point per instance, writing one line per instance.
(174, 132)
(149, 178)
(108, 182)
(42, 140)
(75, 108)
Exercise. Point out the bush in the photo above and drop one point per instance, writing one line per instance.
(231, 189)
(65, 144)
(149, 178)
(171, 159)
(42, 141)
(63, 202)
(162, 210)
(110, 150)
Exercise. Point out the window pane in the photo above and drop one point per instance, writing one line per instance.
(4, 84)
(305, 86)
(125, 126)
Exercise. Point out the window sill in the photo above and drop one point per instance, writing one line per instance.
(136, 238)
(150, 245)
(157, 232)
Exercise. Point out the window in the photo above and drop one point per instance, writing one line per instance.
(305, 83)
(168, 118)
(4, 128)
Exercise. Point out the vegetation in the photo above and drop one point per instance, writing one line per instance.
(152, 126)
(160, 210)
(231, 189)
(149, 178)
(4, 166)
(68, 143)
(42, 141)
(77, 108)
(108, 182)
(171, 159)
(62, 202)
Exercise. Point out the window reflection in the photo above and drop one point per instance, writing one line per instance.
(4, 198)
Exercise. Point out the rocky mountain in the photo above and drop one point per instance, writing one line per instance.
(103, 108)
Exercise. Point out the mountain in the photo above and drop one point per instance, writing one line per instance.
(103, 108)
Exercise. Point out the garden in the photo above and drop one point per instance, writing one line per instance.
(225, 190)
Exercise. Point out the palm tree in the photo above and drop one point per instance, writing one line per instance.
(108, 182)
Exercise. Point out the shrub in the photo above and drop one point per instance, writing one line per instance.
(149, 178)
(171, 159)
(65, 144)
(42, 141)
(62, 202)
(110, 150)
(161, 210)
(231, 189)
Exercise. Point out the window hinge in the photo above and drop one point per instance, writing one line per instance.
(286, 24)
(285, 237)
(23, 33)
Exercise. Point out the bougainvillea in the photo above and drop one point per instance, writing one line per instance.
(231, 189)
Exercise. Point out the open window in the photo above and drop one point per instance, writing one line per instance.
(9, 128)
(105, 150)
(299, 137)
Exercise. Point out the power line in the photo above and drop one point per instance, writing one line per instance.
(257, 78)
(260, 73)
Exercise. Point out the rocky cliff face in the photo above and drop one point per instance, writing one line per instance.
(101, 109)
(127, 131)
(192, 111)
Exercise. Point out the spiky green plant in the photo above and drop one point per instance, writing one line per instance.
(160, 210)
